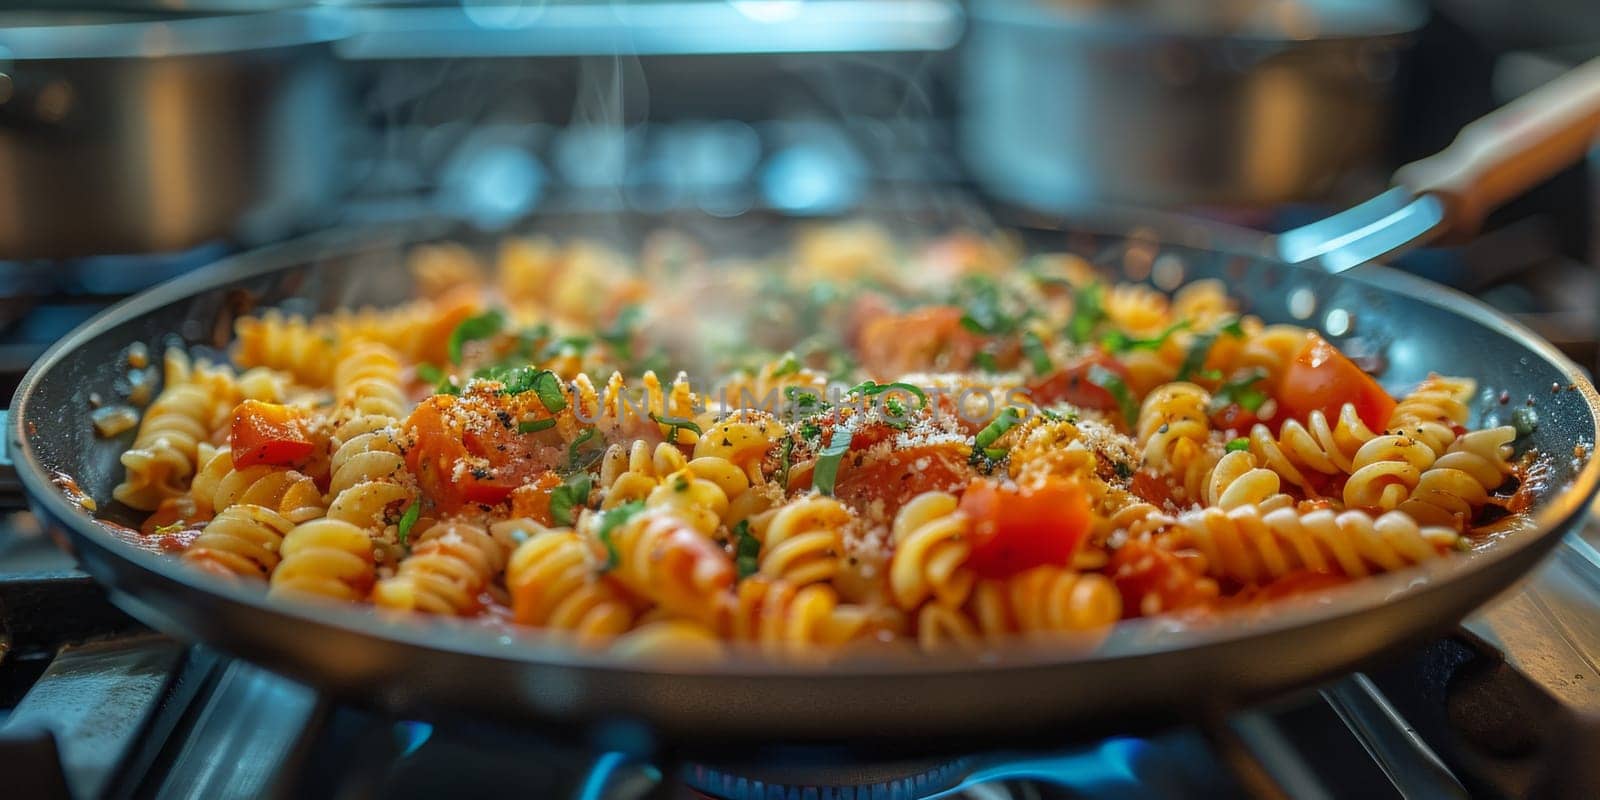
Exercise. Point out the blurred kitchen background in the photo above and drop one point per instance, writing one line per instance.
(144, 137)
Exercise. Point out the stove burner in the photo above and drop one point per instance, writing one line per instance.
(807, 779)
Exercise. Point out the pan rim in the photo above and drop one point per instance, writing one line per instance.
(1130, 639)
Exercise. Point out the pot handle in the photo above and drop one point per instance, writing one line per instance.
(12, 497)
(1512, 149)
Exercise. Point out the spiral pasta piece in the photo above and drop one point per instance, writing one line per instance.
(632, 473)
(1433, 409)
(1173, 430)
(218, 486)
(1386, 469)
(1237, 481)
(742, 442)
(1272, 350)
(785, 619)
(1045, 600)
(930, 551)
(802, 542)
(164, 452)
(243, 540)
(325, 558)
(452, 562)
(1483, 454)
(1249, 546)
(370, 482)
(697, 501)
(292, 344)
(1315, 445)
(554, 580)
(666, 560)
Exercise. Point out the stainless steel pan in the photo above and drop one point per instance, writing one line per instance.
(1145, 670)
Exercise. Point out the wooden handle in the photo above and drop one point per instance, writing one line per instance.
(1511, 150)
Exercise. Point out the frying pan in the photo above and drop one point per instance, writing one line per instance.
(1144, 670)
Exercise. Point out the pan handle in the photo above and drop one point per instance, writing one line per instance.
(1512, 149)
(12, 497)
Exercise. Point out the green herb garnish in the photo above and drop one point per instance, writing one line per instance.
(1195, 360)
(1236, 445)
(788, 365)
(675, 424)
(984, 314)
(573, 493)
(747, 550)
(984, 360)
(429, 373)
(1119, 342)
(785, 461)
(481, 326)
(991, 433)
(610, 520)
(1234, 327)
(1087, 312)
(572, 449)
(827, 468)
(1113, 384)
(1241, 392)
(408, 520)
(620, 335)
(536, 425)
(1033, 348)
(872, 389)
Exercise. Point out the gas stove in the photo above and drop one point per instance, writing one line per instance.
(94, 705)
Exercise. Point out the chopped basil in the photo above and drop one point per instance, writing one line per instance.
(1119, 342)
(1240, 392)
(1236, 445)
(991, 433)
(481, 326)
(1195, 360)
(675, 424)
(1033, 348)
(895, 411)
(983, 314)
(788, 365)
(1087, 312)
(786, 460)
(872, 389)
(428, 373)
(827, 468)
(408, 520)
(447, 385)
(545, 383)
(985, 361)
(1112, 383)
(536, 425)
(747, 550)
(1234, 327)
(610, 520)
(573, 493)
(572, 449)
(620, 335)
(802, 397)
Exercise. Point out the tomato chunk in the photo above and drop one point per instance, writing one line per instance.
(532, 500)
(268, 433)
(1015, 529)
(902, 474)
(466, 451)
(1323, 379)
(1154, 580)
(1071, 384)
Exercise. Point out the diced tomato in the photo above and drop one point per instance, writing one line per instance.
(455, 306)
(926, 338)
(1153, 579)
(902, 474)
(1234, 417)
(532, 500)
(1071, 384)
(1015, 529)
(498, 459)
(1323, 379)
(1153, 488)
(267, 433)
